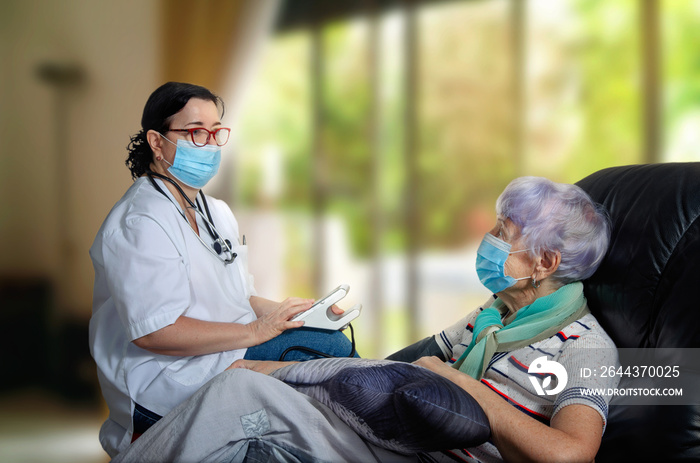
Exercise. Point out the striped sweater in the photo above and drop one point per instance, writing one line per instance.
(581, 348)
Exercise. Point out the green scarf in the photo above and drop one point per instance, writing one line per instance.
(540, 320)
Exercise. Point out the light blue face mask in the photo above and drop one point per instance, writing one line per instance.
(194, 165)
(490, 259)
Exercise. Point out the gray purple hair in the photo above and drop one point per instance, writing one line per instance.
(558, 217)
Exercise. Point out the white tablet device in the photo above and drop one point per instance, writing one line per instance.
(321, 316)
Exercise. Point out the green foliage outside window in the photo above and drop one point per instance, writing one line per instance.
(583, 110)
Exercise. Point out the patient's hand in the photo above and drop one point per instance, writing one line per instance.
(337, 310)
(436, 365)
(265, 367)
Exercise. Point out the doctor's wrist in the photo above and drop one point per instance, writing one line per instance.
(256, 333)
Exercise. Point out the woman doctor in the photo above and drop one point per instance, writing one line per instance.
(173, 302)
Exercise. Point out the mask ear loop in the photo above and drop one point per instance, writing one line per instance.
(535, 284)
(534, 281)
(161, 158)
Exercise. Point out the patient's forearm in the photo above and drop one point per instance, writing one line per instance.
(261, 366)
(574, 434)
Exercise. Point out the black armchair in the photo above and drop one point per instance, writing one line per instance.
(644, 296)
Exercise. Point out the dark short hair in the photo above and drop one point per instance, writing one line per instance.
(166, 101)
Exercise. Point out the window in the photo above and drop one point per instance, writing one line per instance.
(501, 89)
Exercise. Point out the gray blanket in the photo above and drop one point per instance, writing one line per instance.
(241, 416)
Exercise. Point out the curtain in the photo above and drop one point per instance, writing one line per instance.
(203, 40)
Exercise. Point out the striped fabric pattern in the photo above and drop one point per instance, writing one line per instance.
(582, 344)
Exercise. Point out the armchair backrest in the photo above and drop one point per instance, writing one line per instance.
(645, 295)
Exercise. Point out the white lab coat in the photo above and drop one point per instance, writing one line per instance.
(150, 268)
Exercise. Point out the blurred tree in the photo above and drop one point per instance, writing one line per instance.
(681, 42)
(583, 104)
(608, 61)
(466, 117)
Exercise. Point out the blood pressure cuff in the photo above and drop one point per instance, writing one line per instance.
(398, 406)
(426, 347)
(300, 344)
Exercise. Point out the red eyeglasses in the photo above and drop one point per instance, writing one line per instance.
(201, 136)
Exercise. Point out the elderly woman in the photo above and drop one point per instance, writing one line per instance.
(547, 238)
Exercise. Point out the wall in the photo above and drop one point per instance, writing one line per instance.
(56, 188)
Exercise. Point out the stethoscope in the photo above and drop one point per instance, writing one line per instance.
(219, 246)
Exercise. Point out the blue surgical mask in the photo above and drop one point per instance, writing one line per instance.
(490, 260)
(194, 165)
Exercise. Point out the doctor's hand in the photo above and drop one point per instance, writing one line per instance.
(273, 323)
